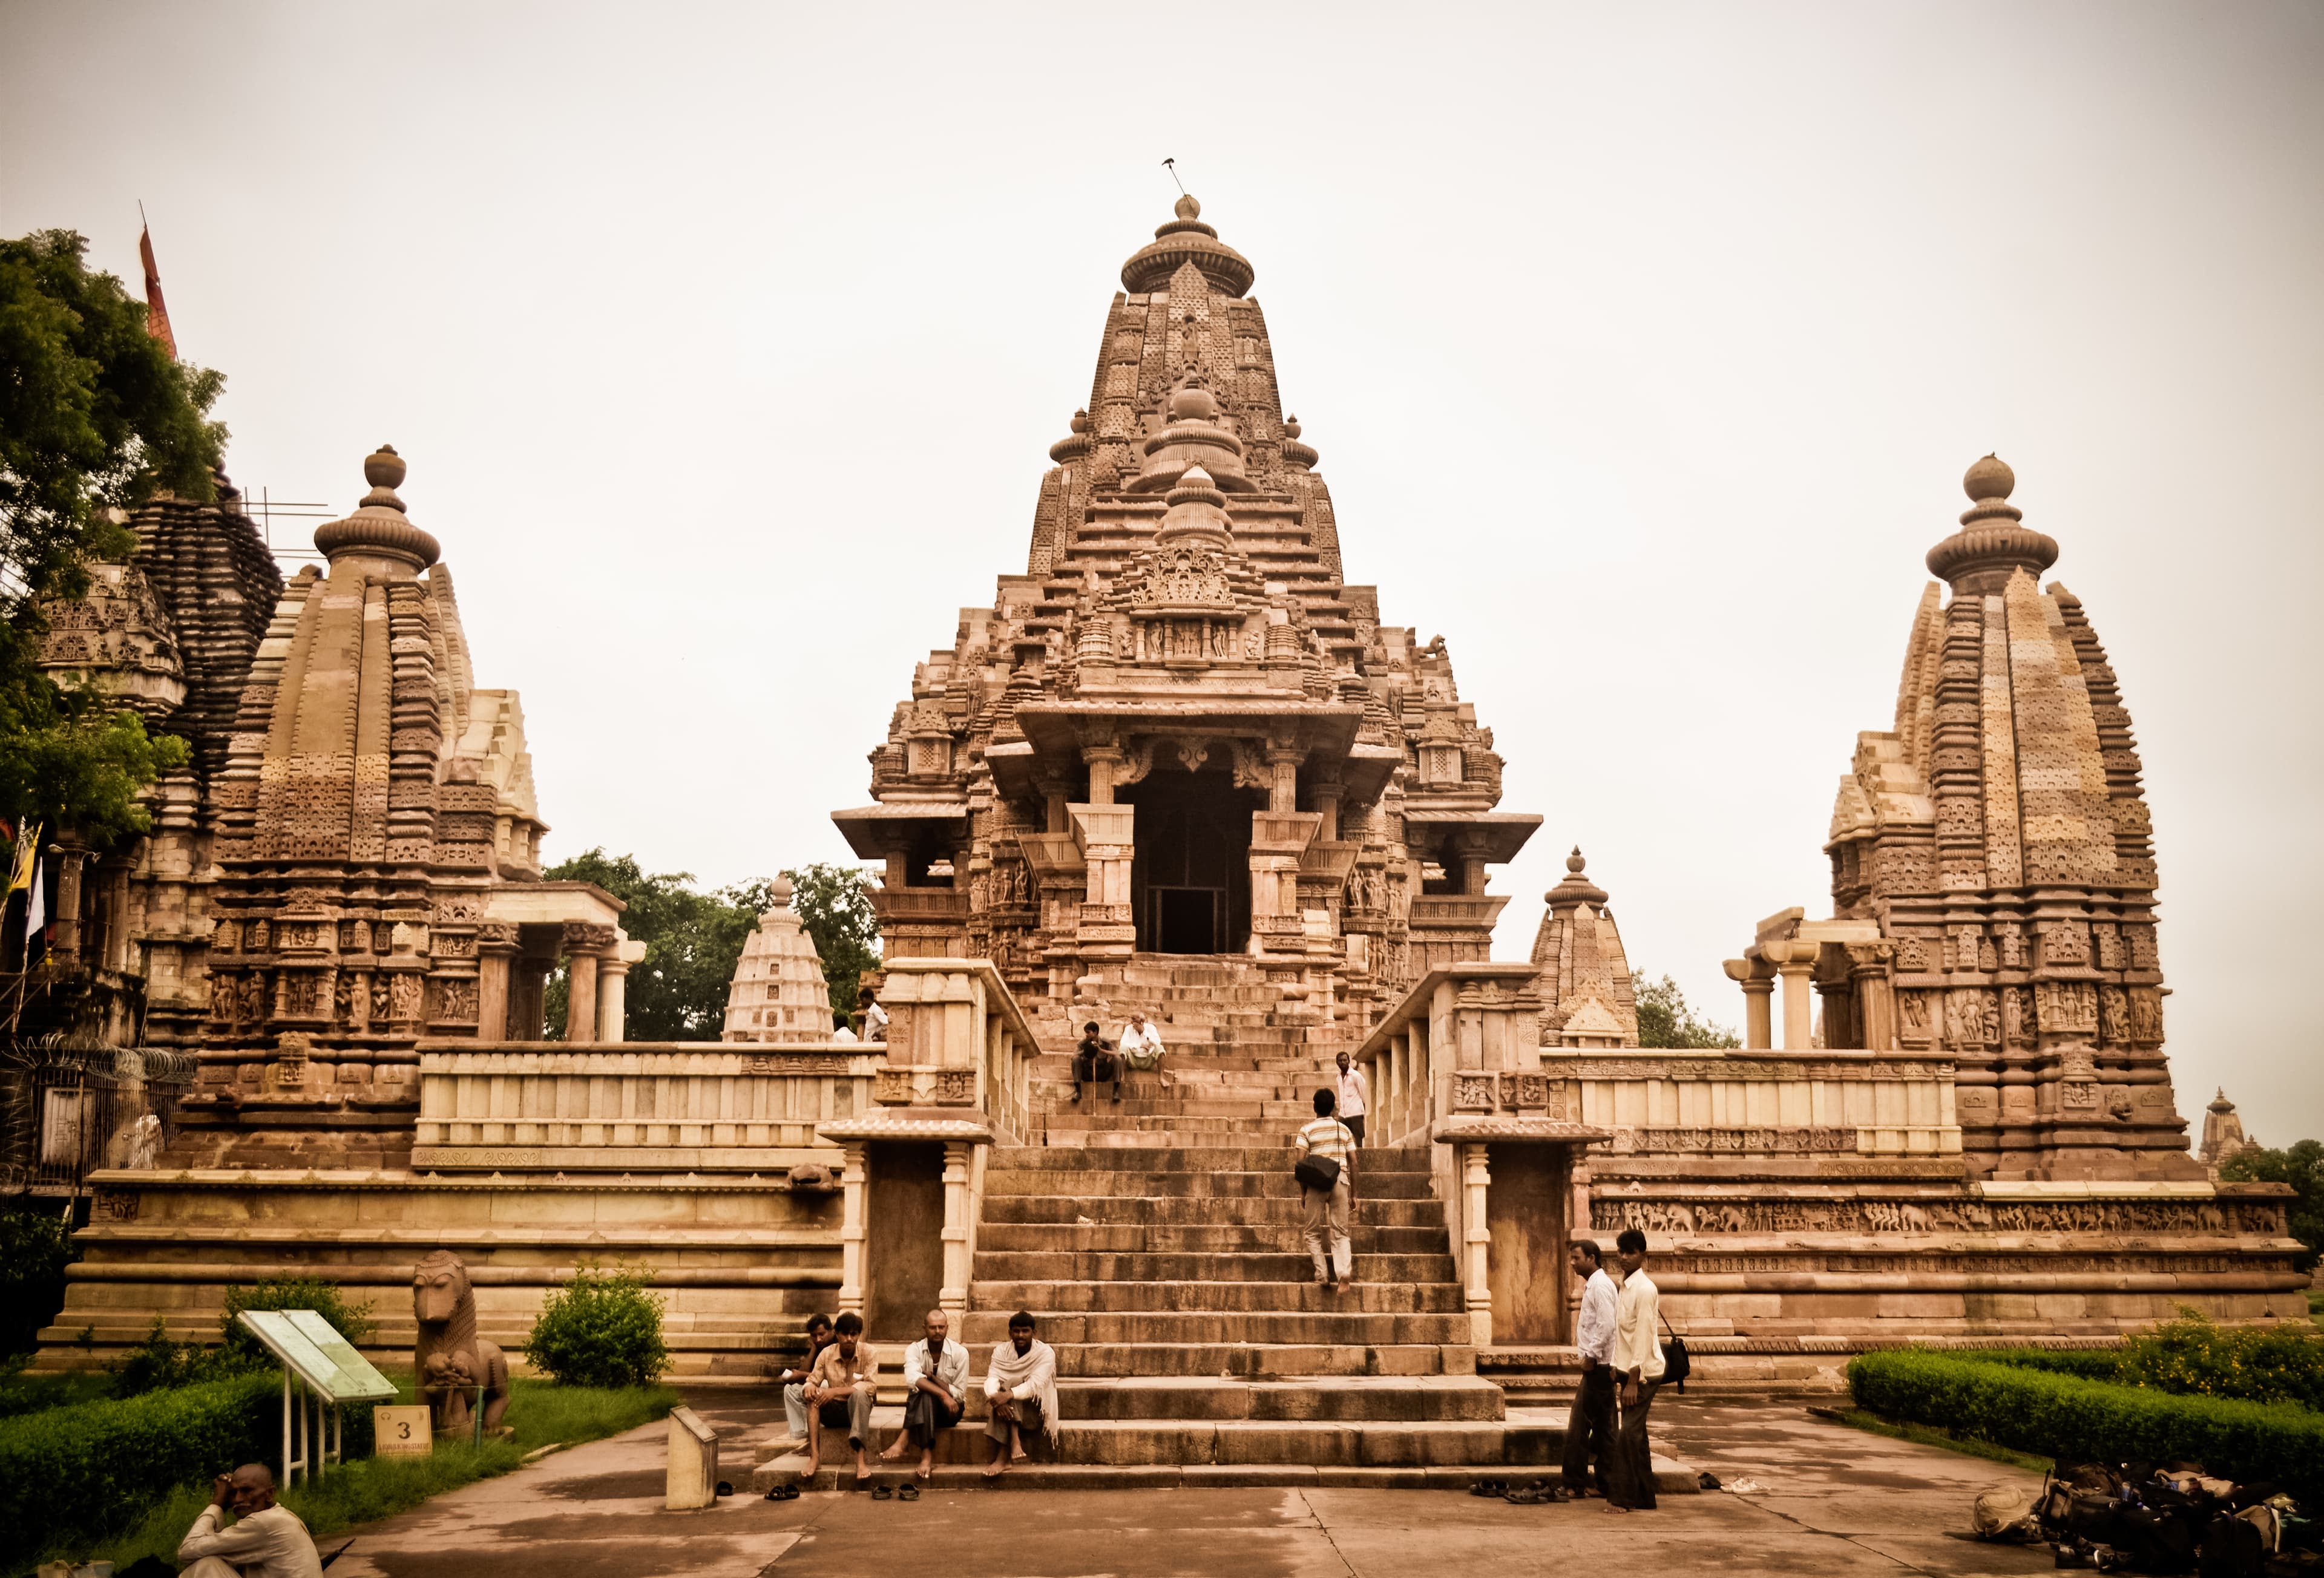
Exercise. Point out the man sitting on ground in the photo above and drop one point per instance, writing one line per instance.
(1020, 1384)
(819, 1336)
(264, 1541)
(1141, 1047)
(936, 1391)
(840, 1392)
(1092, 1064)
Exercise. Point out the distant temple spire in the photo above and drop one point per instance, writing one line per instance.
(157, 314)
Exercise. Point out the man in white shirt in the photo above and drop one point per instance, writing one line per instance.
(1638, 1372)
(264, 1541)
(1324, 1213)
(1352, 1089)
(841, 1030)
(1140, 1046)
(875, 1018)
(936, 1391)
(1590, 1423)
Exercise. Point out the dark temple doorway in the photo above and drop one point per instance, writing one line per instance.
(1190, 880)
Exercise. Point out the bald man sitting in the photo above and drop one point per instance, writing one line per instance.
(264, 1541)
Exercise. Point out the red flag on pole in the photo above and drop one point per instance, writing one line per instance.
(157, 315)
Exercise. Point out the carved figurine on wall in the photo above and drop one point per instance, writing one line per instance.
(451, 1359)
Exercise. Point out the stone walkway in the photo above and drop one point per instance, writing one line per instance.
(1838, 1501)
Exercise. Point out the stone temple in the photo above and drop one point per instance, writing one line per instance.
(1177, 765)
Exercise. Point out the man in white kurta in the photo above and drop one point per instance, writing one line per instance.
(1020, 1388)
(1590, 1423)
(1140, 1046)
(264, 1541)
(1637, 1375)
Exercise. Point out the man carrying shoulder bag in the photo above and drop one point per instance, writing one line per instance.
(1326, 1174)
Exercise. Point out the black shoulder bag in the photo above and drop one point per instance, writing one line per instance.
(1677, 1365)
(1316, 1172)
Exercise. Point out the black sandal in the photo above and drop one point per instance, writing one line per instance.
(1490, 1488)
(784, 1493)
(882, 1493)
(907, 1492)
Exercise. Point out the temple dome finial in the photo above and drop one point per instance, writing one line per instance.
(1184, 240)
(1991, 545)
(1187, 207)
(1197, 510)
(378, 528)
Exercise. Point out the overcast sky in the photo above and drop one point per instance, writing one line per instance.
(1645, 347)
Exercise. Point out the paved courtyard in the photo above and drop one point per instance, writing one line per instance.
(1837, 1502)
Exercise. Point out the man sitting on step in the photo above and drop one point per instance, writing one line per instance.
(1141, 1048)
(794, 1381)
(840, 1392)
(1021, 1386)
(936, 1391)
(1094, 1064)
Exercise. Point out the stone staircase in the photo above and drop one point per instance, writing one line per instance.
(1157, 1241)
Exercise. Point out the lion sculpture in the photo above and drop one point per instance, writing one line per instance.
(451, 1359)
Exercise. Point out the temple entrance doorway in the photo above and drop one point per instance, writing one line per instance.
(1190, 879)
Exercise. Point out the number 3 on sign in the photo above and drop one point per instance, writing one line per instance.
(403, 1432)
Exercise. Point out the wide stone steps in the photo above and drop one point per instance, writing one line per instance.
(1160, 1129)
(1346, 1327)
(1065, 1266)
(1199, 1238)
(1193, 1210)
(1243, 1358)
(1269, 1183)
(1275, 1157)
(1388, 1443)
(1304, 1296)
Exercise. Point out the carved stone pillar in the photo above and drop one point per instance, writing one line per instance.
(1327, 789)
(612, 987)
(1106, 762)
(1876, 1000)
(583, 946)
(1759, 984)
(1476, 1245)
(953, 1298)
(855, 1155)
(1798, 994)
(496, 949)
(1282, 776)
(66, 908)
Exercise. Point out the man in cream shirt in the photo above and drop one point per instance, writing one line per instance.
(264, 1541)
(1637, 1367)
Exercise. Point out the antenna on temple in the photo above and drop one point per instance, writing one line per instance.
(1172, 165)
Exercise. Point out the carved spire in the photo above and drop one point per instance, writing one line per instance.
(378, 528)
(1197, 513)
(1182, 241)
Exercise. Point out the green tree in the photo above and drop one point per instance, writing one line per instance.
(833, 904)
(35, 1247)
(677, 991)
(95, 418)
(1664, 1020)
(2302, 1167)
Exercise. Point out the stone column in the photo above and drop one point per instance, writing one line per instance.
(1283, 767)
(66, 909)
(496, 947)
(1876, 1000)
(581, 994)
(1104, 762)
(1327, 789)
(854, 1156)
(1477, 1243)
(613, 987)
(1797, 968)
(952, 1297)
(1759, 984)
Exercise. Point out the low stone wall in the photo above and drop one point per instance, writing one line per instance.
(740, 1260)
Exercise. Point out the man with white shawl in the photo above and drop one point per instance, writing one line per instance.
(1020, 1384)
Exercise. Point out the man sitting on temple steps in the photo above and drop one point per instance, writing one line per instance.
(840, 1393)
(1093, 1065)
(1020, 1384)
(936, 1391)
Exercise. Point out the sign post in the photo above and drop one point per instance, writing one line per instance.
(320, 1367)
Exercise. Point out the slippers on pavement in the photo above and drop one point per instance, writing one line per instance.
(907, 1492)
(882, 1493)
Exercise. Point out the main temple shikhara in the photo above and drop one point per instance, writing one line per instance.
(1178, 766)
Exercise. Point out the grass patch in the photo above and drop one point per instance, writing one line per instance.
(1930, 1436)
(541, 1413)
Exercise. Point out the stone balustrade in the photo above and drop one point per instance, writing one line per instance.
(635, 1107)
(1760, 1102)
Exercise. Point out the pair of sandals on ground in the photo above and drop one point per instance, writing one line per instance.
(1539, 1493)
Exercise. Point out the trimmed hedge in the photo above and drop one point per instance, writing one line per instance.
(83, 1471)
(2083, 1364)
(2074, 1420)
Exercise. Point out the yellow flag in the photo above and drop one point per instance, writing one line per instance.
(28, 851)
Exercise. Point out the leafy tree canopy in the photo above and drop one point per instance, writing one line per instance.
(1665, 1019)
(677, 991)
(2302, 1167)
(95, 418)
(833, 904)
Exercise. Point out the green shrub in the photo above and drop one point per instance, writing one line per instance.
(157, 1363)
(2087, 1364)
(2260, 1364)
(35, 1248)
(603, 1328)
(83, 1471)
(351, 1321)
(2066, 1417)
